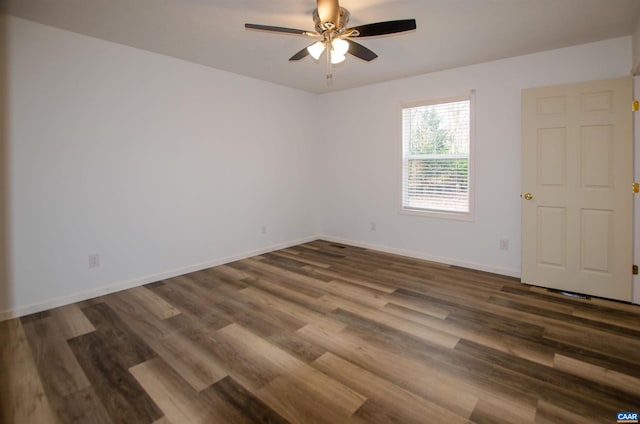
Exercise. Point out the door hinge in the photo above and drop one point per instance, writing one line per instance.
(636, 187)
(634, 269)
(635, 105)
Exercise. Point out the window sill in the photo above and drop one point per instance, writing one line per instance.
(456, 216)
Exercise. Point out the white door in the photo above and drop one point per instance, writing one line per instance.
(577, 172)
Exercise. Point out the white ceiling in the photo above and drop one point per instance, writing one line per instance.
(450, 33)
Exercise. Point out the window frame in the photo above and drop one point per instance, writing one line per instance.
(432, 213)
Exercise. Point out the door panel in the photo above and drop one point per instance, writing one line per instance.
(577, 153)
(551, 237)
(552, 154)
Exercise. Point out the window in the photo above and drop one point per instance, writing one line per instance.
(436, 157)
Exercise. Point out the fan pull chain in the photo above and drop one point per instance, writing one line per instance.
(329, 68)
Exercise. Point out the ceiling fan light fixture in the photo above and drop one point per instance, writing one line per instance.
(337, 58)
(316, 49)
(340, 47)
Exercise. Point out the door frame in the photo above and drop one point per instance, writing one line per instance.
(636, 200)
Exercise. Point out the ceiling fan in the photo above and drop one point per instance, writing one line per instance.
(334, 37)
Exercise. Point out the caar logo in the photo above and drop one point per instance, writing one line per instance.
(627, 417)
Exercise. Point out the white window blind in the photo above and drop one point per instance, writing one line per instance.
(436, 139)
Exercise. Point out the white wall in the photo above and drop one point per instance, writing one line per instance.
(362, 163)
(636, 50)
(159, 165)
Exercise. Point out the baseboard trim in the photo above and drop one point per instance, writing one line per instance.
(124, 285)
(419, 255)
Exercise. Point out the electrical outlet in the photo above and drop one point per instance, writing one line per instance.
(373, 226)
(504, 244)
(94, 261)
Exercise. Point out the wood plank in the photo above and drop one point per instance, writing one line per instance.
(254, 349)
(244, 407)
(509, 343)
(357, 280)
(363, 274)
(568, 318)
(386, 402)
(293, 264)
(106, 364)
(464, 289)
(356, 293)
(236, 362)
(247, 311)
(464, 370)
(284, 293)
(59, 370)
(316, 391)
(408, 310)
(411, 375)
(105, 356)
(108, 325)
(232, 272)
(153, 303)
(306, 395)
(289, 279)
(548, 413)
(190, 303)
(567, 391)
(600, 341)
(82, 407)
(140, 320)
(177, 400)
(493, 412)
(205, 287)
(22, 397)
(191, 360)
(71, 321)
(301, 314)
(298, 347)
(604, 376)
(433, 335)
(629, 366)
(214, 282)
(286, 253)
(619, 318)
(35, 317)
(66, 385)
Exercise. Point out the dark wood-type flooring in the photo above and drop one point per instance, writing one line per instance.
(324, 333)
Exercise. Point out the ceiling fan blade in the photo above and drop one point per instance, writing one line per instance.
(329, 11)
(360, 51)
(276, 29)
(300, 55)
(384, 28)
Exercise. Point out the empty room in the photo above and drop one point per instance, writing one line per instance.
(319, 211)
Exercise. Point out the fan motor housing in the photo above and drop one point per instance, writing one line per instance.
(343, 20)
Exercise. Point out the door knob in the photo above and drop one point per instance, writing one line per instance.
(528, 196)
